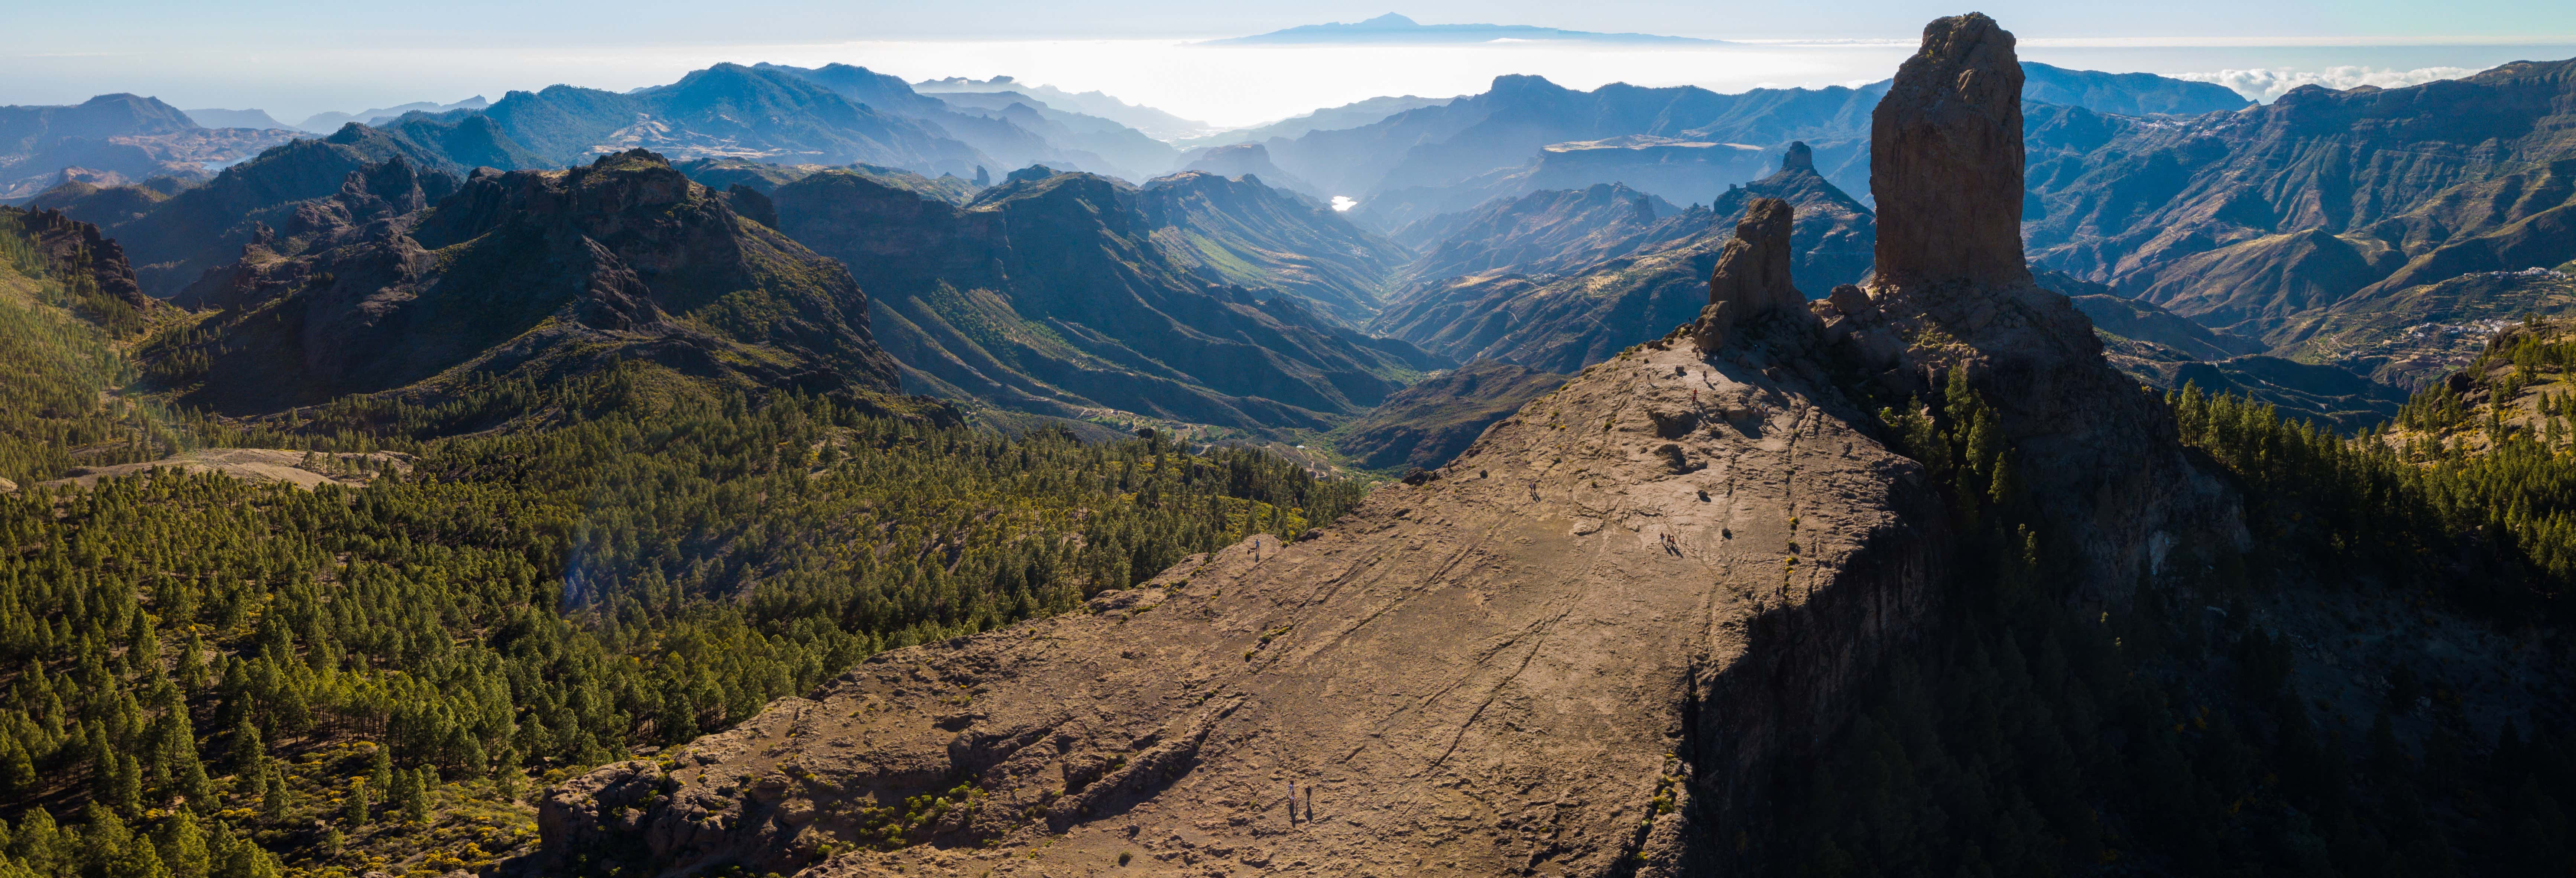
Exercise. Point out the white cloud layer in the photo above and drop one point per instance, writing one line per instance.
(2264, 84)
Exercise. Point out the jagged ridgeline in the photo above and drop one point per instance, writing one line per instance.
(359, 651)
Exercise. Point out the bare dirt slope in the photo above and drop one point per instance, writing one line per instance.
(302, 469)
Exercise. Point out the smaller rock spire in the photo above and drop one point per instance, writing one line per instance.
(1752, 274)
(1798, 158)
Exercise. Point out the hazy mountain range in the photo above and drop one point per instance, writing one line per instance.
(1399, 30)
(1476, 220)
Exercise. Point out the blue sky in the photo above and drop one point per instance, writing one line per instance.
(297, 57)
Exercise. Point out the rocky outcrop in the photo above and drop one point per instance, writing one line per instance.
(1951, 292)
(1752, 274)
(1833, 236)
(1945, 154)
(92, 263)
(541, 275)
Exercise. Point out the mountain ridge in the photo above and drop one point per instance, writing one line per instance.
(1050, 294)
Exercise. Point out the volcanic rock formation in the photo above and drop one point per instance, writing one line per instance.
(1752, 274)
(1578, 649)
(83, 256)
(1945, 152)
(1951, 292)
(1834, 233)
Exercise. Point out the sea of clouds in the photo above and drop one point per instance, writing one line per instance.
(2265, 84)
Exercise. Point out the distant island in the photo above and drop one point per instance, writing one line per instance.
(1393, 29)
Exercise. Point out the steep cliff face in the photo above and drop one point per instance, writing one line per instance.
(1751, 279)
(76, 248)
(1938, 143)
(1581, 648)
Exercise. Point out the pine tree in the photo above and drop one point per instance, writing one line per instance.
(103, 842)
(236, 856)
(17, 768)
(274, 797)
(127, 785)
(405, 795)
(248, 753)
(380, 768)
(38, 845)
(183, 847)
(139, 861)
(353, 807)
(507, 777)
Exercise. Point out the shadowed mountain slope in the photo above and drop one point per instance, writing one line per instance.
(1550, 232)
(1836, 236)
(1253, 235)
(1248, 159)
(207, 226)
